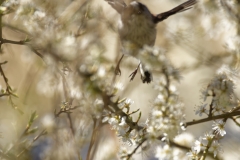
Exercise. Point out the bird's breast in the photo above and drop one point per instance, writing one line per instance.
(135, 33)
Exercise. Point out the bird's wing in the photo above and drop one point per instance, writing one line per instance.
(182, 7)
(118, 5)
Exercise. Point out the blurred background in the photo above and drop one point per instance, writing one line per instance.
(76, 38)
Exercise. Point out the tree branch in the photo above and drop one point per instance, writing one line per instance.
(21, 42)
(226, 115)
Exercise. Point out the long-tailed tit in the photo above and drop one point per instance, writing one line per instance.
(137, 27)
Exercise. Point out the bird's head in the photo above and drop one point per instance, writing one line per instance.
(135, 10)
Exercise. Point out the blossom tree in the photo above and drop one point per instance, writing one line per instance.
(61, 99)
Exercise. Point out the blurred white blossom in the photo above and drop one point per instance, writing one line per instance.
(185, 139)
(67, 48)
(193, 154)
(48, 122)
(215, 148)
(119, 86)
(164, 153)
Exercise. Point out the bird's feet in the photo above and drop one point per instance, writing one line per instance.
(133, 74)
(118, 70)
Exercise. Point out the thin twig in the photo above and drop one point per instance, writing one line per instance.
(8, 89)
(135, 149)
(92, 139)
(14, 28)
(34, 139)
(230, 11)
(70, 123)
(164, 71)
(4, 94)
(36, 52)
(21, 42)
(43, 132)
(225, 115)
(1, 1)
(212, 103)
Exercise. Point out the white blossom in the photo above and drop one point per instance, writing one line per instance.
(67, 48)
(163, 153)
(215, 148)
(201, 109)
(39, 14)
(185, 139)
(48, 122)
(101, 72)
(118, 86)
(129, 101)
(200, 145)
(193, 154)
(166, 115)
(123, 126)
(218, 126)
(208, 136)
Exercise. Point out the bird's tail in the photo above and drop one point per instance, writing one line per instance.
(182, 7)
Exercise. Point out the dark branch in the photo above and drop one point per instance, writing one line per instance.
(21, 42)
(226, 115)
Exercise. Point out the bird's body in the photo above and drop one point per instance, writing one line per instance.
(137, 27)
(136, 37)
(133, 39)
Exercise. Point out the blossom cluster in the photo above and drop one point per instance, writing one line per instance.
(167, 110)
(69, 39)
(221, 91)
(166, 116)
(206, 143)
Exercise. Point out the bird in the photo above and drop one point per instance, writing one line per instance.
(137, 28)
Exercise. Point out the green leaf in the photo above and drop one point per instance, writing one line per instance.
(14, 95)
(19, 110)
(32, 130)
(32, 118)
(3, 91)
(27, 39)
(122, 100)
